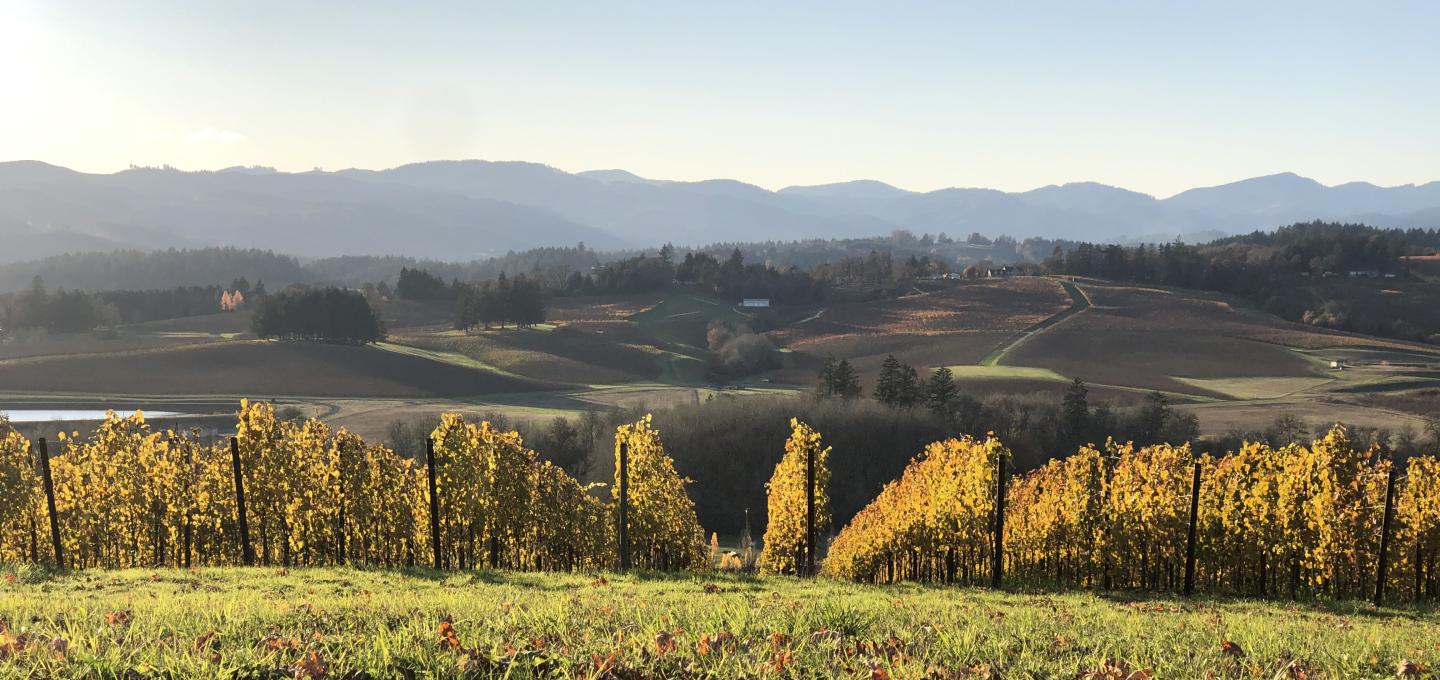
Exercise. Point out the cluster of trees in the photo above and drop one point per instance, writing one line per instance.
(155, 270)
(59, 312)
(899, 385)
(737, 351)
(519, 301)
(70, 311)
(327, 314)
(879, 269)
(420, 284)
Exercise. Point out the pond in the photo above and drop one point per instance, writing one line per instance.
(54, 415)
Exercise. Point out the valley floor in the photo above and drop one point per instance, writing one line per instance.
(351, 623)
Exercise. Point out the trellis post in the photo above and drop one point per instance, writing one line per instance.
(49, 483)
(434, 504)
(997, 557)
(810, 512)
(1190, 537)
(1385, 522)
(247, 553)
(624, 514)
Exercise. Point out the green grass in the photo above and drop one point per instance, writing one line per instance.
(261, 623)
(1001, 372)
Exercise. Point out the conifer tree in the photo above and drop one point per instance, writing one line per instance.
(941, 392)
(887, 386)
(1076, 411)
(846, 381)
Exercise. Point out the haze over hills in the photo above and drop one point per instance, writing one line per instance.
(467, 209)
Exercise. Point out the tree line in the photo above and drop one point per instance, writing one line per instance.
(326, 314)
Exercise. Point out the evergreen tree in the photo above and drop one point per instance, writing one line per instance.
(825, 384)
(1076, 411)
(1153, 417)
(846, 381)
(941, 391)
(887, 386)
(911, 392)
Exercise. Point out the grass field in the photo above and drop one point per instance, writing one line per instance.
(344, 623)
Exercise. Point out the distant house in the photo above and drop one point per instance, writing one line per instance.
(1002, 272)
(755, 302)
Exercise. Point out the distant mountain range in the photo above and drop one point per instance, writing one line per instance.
(457, 210)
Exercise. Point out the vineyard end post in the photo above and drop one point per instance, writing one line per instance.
(1190, 537)
(810, 513)
(624, 514)
(49, 483)
(1385, 523)
(434, 504)
(247, 553)
(997, 557)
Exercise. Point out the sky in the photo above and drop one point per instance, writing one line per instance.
(1152, 96)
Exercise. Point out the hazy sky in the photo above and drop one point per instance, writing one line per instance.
(1150, 95)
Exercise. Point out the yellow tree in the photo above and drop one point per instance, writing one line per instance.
(786, 494)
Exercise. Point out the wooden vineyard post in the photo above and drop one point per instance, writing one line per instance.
(1190, 537)
(997, 557)
(247, 553)
(624, 514)
(434, 504)
(1385, 523)
(810, 512)
(49, 483)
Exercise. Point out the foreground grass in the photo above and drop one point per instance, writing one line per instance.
(347, 623)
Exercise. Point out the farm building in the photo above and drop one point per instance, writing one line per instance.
(1002, 272)
(755, 302)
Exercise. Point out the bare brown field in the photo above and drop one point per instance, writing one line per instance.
(958, 324)
(1002, 305)
(69, 344)
(258, 369)
(1144, 337)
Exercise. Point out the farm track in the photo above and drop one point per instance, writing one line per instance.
(1079, 303)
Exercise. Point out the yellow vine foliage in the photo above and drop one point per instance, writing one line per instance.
(129, 496)
(1290, 520)
(930, 524)
(22, 510)
(501, 506)
(664, 532)
(786, 495)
